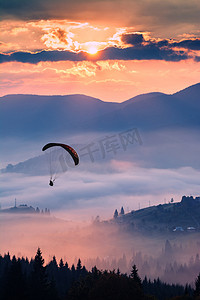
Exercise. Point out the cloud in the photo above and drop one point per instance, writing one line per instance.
(62, 9)
(136, 40)
(143, 13)
(143, 52)
(34, 58)
(101, 185)
(188, 44)
(132, 38)
(160, 168)
(172, 11)
(193, 44)
(139, 52)
(58, 38)
(129, 46)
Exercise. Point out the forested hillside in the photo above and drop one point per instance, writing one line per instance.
(24, 279)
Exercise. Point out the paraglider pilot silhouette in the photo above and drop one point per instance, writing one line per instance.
(52, 159)
(51, 182)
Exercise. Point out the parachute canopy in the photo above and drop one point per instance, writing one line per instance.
(69, 149)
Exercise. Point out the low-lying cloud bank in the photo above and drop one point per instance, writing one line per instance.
(100, 188)
(163, 166)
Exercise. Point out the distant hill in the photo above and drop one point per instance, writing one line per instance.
(33, 166)
(169, 127)
(190, 93)
(172, 218)
(24, 209)
(34, 117)
(147, 96)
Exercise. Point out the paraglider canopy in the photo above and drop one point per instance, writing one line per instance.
(56, 159)
(71, 151)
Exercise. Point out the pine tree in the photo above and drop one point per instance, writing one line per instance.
(134, 275)
(39, 283)
(122, 211)
(55, 262)
(73, 268)
(61, 264)
(15, 285)
(115, 214)
(52, 270)
(197, 286)
(67, 266)
(38, 261)
(79, 266)
(95, 272)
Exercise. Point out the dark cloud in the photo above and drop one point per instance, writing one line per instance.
(162, 43)
(143, 52)
(140, 49)
(170, 13)
(132, 39)
(154, 14)
(81, 10)
(34, 58)
(188, 44)
(197, 58)
(22, 9)
(148, 51)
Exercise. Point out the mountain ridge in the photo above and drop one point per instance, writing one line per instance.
(149, 94)
(33, 117)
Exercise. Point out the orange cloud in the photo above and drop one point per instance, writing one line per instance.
(109, 78)
(113, 81)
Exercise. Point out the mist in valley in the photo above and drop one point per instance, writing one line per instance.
(130, 167)
(174, 258)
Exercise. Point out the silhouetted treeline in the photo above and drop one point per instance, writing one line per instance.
(22, 279)
(174, 263)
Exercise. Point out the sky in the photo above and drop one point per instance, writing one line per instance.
(112, 50)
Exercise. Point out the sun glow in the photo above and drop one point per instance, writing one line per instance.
(92, 50)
